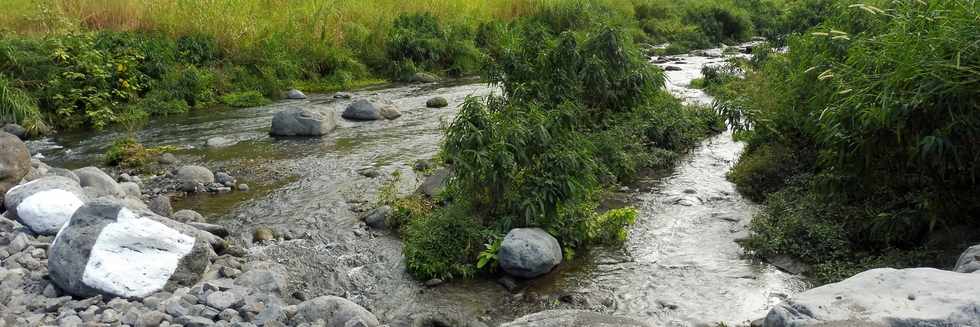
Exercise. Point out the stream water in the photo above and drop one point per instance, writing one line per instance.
(680, 265)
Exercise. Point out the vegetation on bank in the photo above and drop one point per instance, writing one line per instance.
(581, 109)
(863, 138)
(91, 63)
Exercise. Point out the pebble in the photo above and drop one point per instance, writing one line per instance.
(433, 282)
(19, 243)
(149, 319)
(223, 300)
(243, 187)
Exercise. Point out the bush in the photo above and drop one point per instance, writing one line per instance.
(128, 153)
(419, 43)
(17, 106)
(443, 245)
(245, 99)
(766, 169)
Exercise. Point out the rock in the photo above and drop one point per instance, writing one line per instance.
(529, 252)
(390, 112)
(108, 249)
(362, 110)
(434, 185)
(508, 283)
(223, 178)
(302, 122)
(578, 318)
(969, 261)
(335, 312)
(788, 264)
(243, 187)
(376, 218)
(263, 234)
(16, 130)
(444, 319)
(217, 230)
(229, 315)
(191, 178)
(422, 77)
(886, 297)
(433, 282)
(223, 300)
(369, 172)
(268, 278)
(63, 173)
(421, 165)
(167, 159)
(160, 205)
(294, 94)
(437, 102)
(219, 142)
(150, 319)
(673, 69)
(187, 216)
(194, 321)
(19, 243)
(15, 161)
(342, 95)
(98, 184)
(131, 189)
(44, 205)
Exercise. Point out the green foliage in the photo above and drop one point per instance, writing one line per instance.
(611, 226)
(879, 102)
(488, 258)
(128, 153)
(443, 245)
(244, 99)
(17, 106)
(417, 42)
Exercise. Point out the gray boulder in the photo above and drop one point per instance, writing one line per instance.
(437, 102)
(15, 161)
(294, 94)
(886, 297)
(969, 261)
(434, 184)
(192, 178)
(167, 159)
(422, 77)
(578, 318)
(16, 130)
(63, 173)
(161, 205)
(529, 252)
(131, 189)
(390, 112)
(302, 122)
(219, 142)
(98, 184)
(335, 312)
(224, 178)
(45, 204)
(362, 110)
(111, 250)
(186, 216)
(267, 277)
(376, 218)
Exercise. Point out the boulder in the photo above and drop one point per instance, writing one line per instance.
(98, 184)
(343, 95)
(437, 102)
(422, 77)
(16, 130)
(390, 112)
(15, 161)
(529, 252)
(217, 230)
(969, 261)
(160, 205)
(224, 178)
(362, 110)
(111, 250)
(886, 297)
(376, 218)
(191, 178)
(131, 189)
(219, 142)
(673, 69)
(294, 94)
(167, 159)
(186, 216)
(335, 312)
(63, 173)
(267, 277)
(302, 122)
(45, 204)
(434, 184)
(578, 318)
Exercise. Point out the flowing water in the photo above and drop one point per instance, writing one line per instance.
(680, 266)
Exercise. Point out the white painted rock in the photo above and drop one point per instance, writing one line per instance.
(112, 250)
(886, 297)
(45, 204)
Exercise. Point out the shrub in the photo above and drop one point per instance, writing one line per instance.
(128, 153)
(418, 43)
(245, 99)
(766, 169)
(443, 245)
(17, 106)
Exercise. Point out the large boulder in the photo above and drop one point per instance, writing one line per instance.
(192, 178)
(111, 250)
(969, 261)
(98, 184)
(15, 130)
(45, 204)
(294, 94)
(529, 252)
(390, 112)
(302, 122)
(886, 297)
(15, 161)
(423, 77)
(437, 102)
(578, 318)
(335, 312)
(434, 184)
(362, 110)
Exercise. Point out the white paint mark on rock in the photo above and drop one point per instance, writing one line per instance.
(47, 211)
(134, 256)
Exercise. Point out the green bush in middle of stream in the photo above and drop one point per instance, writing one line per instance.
(580, 111)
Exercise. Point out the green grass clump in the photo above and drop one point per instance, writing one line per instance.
(128, 153)
(245, 99)
(879, 104)
(18, 106)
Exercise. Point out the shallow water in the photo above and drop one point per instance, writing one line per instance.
(679, 267)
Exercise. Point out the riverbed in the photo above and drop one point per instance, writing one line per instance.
(681, 265)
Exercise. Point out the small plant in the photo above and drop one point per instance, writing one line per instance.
(611, 226)
(489, 259)
(245, 99)
(128, 153)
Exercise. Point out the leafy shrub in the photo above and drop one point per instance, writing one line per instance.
(128, 153)
(766, 169)
(611, 226)
(720, 23)
(244, 99)
(188, 83)
(17, 106)
(443, 245)
(418, 43)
